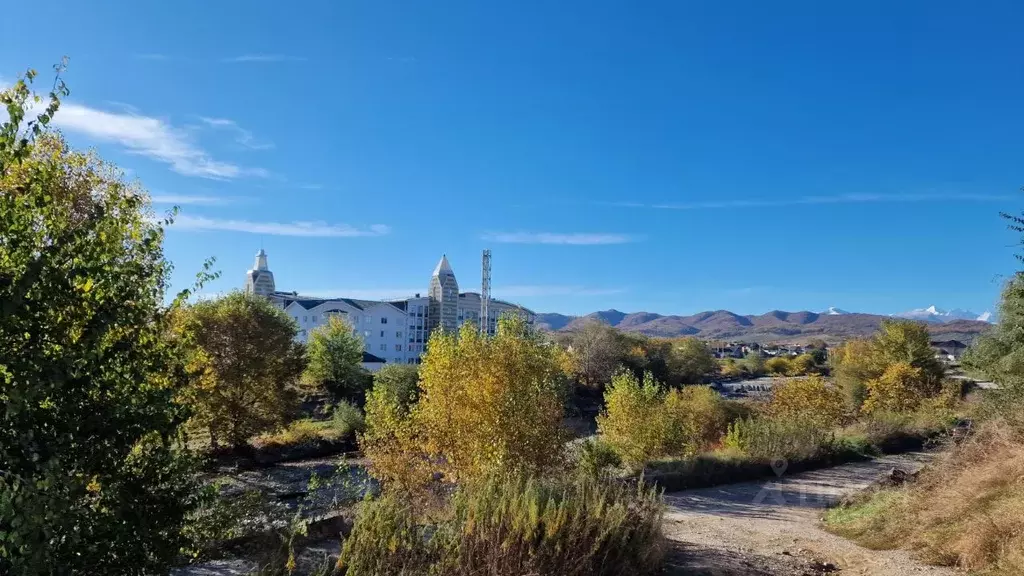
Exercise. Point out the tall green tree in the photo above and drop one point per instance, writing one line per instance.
(91, 480)
(245, 364)
(335, 355)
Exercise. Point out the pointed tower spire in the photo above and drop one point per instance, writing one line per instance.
(443, 267)
(260, 280)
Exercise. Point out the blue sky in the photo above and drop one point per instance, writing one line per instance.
(662, 156)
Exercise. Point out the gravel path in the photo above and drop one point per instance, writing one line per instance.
(773, 528)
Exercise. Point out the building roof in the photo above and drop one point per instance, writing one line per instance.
(370, 358)
(443, 267)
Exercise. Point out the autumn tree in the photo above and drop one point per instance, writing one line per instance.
(485, 405)
(93, 479)
(335, 354)
(697, 418)
(244, 361)
(853, 366)
(900, 388)
(752, 364)
(779, 366)
(596, 352)
(633, 421)
(691, 362)
(807, 399)
(802, 365)
(909, 342)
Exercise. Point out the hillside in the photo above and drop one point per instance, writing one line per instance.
(776, 325)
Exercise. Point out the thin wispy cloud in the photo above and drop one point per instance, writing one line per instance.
(574, 239)
(151, 56)
(812, 200)
(250, 58)
(242, 136)
(154, 138)
(302, 229)
(182, 200)
(539, 290)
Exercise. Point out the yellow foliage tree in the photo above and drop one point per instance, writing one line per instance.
(900, 388)
(779, 366)
(486, 405)
(697, 419)
(807, 399)
(633, 421)
(802, 365)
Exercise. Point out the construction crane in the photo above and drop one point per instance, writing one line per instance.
(485, 293)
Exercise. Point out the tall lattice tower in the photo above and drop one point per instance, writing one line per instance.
(485, 294)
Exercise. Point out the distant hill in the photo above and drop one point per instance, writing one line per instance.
(773, 326)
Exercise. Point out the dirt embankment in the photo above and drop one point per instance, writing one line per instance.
(772, 528)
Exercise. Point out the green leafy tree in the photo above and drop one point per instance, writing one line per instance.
(398, 381)
(999, 355)
(335, 354)
(779, 366)
(92, 477)
(691, 362)
(244, 361)
(753, 364)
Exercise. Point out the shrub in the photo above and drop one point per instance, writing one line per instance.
(767, 439)
(696, 419)
(901, 387)
(594, 458)
(486, 404)
(633, 421)
(304, 431)
(802, 365)
(753, 364)
(807, 399)
(511, 526)
(347, 420)
(91, 478)
(779, 366)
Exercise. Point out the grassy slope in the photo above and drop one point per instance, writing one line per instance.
(966, 511)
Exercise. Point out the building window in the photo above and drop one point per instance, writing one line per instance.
(305, 318)
(383, 347)
(366, 333)
(314, 319)
(398, 334)
(398, 347)
(383, 320)
(368, 319)
(381, 333)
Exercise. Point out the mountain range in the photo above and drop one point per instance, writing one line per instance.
(776, 326)
(933, 314)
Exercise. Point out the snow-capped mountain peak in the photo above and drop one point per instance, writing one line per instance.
(938, 315)
(833, 311)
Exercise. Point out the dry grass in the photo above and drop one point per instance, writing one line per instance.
(305, 431)
(966, 511)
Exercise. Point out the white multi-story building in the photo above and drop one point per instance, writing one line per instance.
(392, 330)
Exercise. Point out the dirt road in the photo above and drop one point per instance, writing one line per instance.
(773, 528)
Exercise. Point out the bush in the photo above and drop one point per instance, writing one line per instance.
(595, 457)
(778, 366)
(633, 421)
(807, 399)
(697, 419)
(485, 405)
(512, 526)
(347, 420)
(92, 477)
(304, 431)
(767, 439)
(900, 388)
